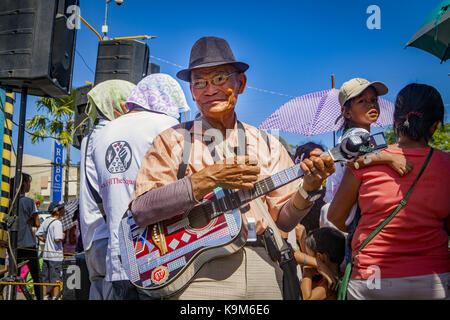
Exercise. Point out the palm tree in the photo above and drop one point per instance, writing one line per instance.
(57, 123)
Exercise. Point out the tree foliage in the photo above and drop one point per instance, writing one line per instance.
(389, 135)
(440, 139)
(55, 122)
(56, 119)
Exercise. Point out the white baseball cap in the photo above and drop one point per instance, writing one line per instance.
(356, 86)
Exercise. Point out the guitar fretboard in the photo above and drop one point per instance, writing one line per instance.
(238, 198)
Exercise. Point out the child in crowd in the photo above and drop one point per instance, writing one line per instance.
(300, 255)
(360, 109)
(326, 247)
(51, 232)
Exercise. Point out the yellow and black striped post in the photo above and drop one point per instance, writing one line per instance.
(6, 166)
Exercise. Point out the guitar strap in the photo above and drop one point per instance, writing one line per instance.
(186, 151)
(242, 140)
(277, 248)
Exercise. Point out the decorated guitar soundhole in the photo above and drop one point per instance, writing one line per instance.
(160, 251)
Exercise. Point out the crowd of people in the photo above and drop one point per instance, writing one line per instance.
(133, 160)
(34, 230)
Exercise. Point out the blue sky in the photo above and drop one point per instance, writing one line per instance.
(292, 47)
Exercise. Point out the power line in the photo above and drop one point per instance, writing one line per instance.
(253, 88)
(84, 61)
(271, 92)
(168, 62)
(181, 67)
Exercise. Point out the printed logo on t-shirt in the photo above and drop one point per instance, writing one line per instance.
(118, 157)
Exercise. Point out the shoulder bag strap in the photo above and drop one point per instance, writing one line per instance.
(48, 227)
(401, 205)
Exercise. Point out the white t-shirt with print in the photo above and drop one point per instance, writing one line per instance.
(117, 152)
(51, 230)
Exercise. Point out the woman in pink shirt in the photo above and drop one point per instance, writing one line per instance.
(409, 257)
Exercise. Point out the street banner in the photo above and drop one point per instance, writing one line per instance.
(57, 171)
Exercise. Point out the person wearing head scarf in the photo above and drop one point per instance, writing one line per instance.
(158, 93)
(106, 97)
(154, 106)
(104, 105)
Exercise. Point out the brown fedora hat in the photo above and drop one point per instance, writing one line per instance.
(209, 52)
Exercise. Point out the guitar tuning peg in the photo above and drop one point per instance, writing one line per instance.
(356, 165)
(367, 160)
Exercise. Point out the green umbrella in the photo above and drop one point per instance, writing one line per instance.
(434, 35)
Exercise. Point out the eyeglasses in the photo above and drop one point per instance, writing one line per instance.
(217, 80)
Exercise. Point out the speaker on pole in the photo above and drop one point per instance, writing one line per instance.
(122, 59)
(153, 68)
(37, 46)
(82, 123)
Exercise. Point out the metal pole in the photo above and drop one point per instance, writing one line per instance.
(67, 173)
(15, 213)
(334, 132)
(6, 168)
(105, 26)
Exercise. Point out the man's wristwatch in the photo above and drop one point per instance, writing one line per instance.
(309, 196)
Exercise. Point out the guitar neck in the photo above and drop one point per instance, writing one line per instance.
(238, 198)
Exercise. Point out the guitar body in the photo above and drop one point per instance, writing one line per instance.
(164, 257)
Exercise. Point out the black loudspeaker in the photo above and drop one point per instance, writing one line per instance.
(153, 68)
(121, 59)
(76, 282)
(82, 123)
(37, 46)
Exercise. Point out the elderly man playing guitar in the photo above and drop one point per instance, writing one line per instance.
(170, 182)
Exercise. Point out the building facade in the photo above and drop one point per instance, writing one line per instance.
(40, 170)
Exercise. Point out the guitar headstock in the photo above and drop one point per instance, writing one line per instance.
(358, 145)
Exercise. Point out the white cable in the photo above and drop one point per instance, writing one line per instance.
(253, 88)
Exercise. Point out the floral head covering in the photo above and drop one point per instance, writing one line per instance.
(106, 97)
(159, 92)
